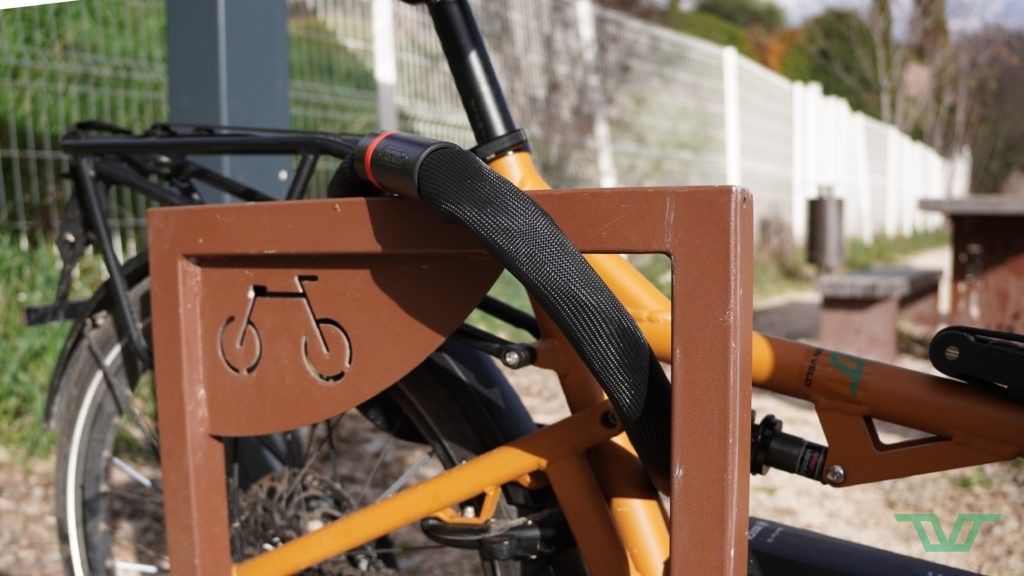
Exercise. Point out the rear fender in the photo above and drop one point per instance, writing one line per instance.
(135, 270)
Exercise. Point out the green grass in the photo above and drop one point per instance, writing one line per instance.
(657, 268)
(976, 477)
(27, 354)
(888, 250)
(772, 275)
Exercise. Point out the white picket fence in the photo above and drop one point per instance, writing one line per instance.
(613, 100)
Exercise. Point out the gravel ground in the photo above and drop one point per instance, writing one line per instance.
(863, 513)
(28, 528)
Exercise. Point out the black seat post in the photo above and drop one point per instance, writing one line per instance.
(471, 67)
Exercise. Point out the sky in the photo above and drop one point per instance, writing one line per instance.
(963, 14)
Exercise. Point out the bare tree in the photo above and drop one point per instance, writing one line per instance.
(924, 78)
(994, 121)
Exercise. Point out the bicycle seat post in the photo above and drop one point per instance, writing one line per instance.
(472, 70)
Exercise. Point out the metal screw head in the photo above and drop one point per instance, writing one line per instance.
(512, 358)
(835, 474)
(952, 353)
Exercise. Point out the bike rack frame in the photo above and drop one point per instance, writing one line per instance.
(388, 271)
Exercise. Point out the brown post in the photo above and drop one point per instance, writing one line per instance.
(194, 478)
(712, 305)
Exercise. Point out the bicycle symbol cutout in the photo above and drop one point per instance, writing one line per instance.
(241, 345)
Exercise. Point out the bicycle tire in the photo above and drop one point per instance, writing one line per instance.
(89, 427)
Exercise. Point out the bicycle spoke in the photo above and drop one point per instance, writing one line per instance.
(406, 476)
(144, 501)
(122, 566)
(311, 457)
(334, 451)
(135, 474)
(364, 493)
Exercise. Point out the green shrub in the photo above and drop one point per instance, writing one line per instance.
(711, 27)
(836, 49)
(745, 13)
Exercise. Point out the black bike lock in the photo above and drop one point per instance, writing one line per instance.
(457, 186)
(391, 160)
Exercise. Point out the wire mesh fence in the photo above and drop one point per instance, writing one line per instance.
(330, 66)
(766, 120)
(665, 93)
(607, 98)
(62, 64)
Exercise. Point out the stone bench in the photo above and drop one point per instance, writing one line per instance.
(860, 310)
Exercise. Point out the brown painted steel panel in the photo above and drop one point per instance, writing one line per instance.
(382, 282)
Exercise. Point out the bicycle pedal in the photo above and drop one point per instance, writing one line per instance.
(494, 540)
(525, 541)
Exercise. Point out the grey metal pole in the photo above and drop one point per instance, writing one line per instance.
(227, 64)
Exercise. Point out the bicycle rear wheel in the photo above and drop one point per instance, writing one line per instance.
(109, 503)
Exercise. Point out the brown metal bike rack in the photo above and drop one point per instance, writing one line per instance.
(269, 317)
